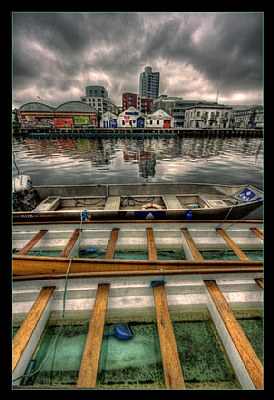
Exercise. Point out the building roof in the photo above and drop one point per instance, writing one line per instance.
(76, 106)
(35, 106)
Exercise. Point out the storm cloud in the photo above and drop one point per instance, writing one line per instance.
(56, 55)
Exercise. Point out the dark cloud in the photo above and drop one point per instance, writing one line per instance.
(58, 54)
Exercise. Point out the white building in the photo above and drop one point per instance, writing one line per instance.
(251, 117)
(131, 117)
(159, 119)
(201, 115)
(97, 97)
(108, 120)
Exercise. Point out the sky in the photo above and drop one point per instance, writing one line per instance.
(200, 55)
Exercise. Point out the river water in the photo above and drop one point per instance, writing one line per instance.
(67, 161)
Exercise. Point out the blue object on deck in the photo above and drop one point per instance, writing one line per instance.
(121, 331)
(189, 215)
(84, 216)
(92, 250)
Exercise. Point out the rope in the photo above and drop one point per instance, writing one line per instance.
(15, 163)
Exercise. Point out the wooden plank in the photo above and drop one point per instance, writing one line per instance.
(258, 233)
(192, 245)
(171, 202)
(249, 357)
(28, 265)
(113, 203)
(260, 282)
(32, 242)
(112, 243)
(70, 244)
(28, 326)
(170, 358)
(232, 244)
(124, 221)
(151, 247)
(90, 360)
(144, 272)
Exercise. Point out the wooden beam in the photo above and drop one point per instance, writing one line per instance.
(151, 247)
(32, 242)
(170, 357)
(70, 244)
(137, 272)
(112, 243)
(192, 245)
(31, 265)
(139, 221)
(249, 357)
(260, 282)
(28, 326)
(232, 244)
(258, 233)
(90, 361)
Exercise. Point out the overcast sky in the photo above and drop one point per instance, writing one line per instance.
(56, 55)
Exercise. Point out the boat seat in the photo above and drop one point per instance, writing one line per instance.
(51, 203)
(171, 202)
(113, 203)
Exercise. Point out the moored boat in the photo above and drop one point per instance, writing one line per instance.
(140, 273)
(133, 201)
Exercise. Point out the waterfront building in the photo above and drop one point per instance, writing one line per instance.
(143, 104)
(67, 115)
(176, 107)
(131, 117)
(208, 115)
(97, 97)
(149, 83)
(159, 119)
(108, 120)
(249, 117)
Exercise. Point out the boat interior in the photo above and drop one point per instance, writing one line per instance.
(159, 197)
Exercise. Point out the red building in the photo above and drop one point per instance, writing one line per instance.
(130, 100)
(141, 103)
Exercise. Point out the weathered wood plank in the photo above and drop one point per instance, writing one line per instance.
(70, 244)
(113, 203)
(192, 245)
(171, 202)
(32, 242)
(91, 356)
(232, 244)
(249, 357)
(31, 265)
(25, 332)
(258, 233)
(260, 282)
(151, 247)
(170, 358)
(112, 243)
(137, 272)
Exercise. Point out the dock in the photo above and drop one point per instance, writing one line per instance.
(47, 133)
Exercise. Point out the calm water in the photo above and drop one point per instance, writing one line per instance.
(126, 160)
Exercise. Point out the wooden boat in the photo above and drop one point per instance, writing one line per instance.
(89, 280)
(136, 201)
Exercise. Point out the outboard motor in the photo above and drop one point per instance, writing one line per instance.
(21, 185)
(21, 188)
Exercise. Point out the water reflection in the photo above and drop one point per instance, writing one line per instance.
(115, 160)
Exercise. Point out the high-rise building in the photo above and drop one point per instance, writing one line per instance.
(149, 83)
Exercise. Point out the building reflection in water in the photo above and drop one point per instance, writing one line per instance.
(122, 154)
